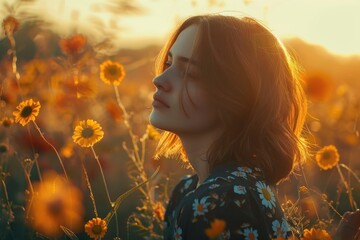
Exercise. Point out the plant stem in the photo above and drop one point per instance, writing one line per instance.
(127, 124)
(103, 176)
(52, 146)
(348, 189)
(351, 171)
(5, 191)
(37, 166)
(27, 177)
(89, 186)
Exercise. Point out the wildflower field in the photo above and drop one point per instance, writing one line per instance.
(76, 148)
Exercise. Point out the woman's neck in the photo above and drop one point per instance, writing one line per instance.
(196, 147)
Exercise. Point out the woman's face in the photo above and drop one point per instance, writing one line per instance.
(173, 91)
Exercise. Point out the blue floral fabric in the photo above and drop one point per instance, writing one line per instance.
(237, 195)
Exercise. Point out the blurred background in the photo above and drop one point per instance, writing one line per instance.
(323, 36)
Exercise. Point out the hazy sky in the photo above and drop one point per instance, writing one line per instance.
(334, 24)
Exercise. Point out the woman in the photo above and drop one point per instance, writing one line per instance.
(231, 104)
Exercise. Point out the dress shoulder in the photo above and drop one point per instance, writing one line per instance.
(241, 199)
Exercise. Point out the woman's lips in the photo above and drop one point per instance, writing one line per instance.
(159, 103)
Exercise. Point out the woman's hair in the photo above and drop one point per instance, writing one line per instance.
(255, 88)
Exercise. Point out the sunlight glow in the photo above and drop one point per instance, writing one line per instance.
(333, 24)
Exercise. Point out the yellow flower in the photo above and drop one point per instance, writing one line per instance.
(72, 45)
(318, 86)
(112, 72)
(327, 157)
(10, 25)
(55, 202)
(67, 150)
(216, 228)
(152, 133)
(96, 228)
(87, 133)
(314, 234)
(26, 111)
(7, 122)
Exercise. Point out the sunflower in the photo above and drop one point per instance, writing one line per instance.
(87, 133)
(318, 86)
(55, 202)
(216, 228)
(72, 45)
(26, 111)
(6, 121)
(327, 157)
(96, 228)
(112, 72)
(10, 25)
(314, 233)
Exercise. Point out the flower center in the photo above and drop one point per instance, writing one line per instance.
(200, 208)
(96, 229)
(326, 155)
(3, 149)
(251, 236)
(113, 70)
(26, 111)
(55, 207)
(87, 132)
(266, 194)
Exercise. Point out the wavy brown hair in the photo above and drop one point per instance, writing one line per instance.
(256, 91)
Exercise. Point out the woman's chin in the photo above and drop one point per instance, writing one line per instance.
(156, 122)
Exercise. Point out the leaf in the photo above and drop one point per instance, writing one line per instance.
(123, 196)
(69, 233)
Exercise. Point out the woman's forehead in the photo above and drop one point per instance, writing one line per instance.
(185, 43)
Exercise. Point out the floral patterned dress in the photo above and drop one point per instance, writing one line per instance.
(238, 196)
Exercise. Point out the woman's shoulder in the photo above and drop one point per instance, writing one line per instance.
(235, 174)
(185, 184)
(234, 181)
(241, 195)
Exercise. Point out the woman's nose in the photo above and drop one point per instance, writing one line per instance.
(162, 83)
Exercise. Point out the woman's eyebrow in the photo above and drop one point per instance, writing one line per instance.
(184, 59)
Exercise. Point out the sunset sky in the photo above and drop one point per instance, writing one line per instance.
(334, 24)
